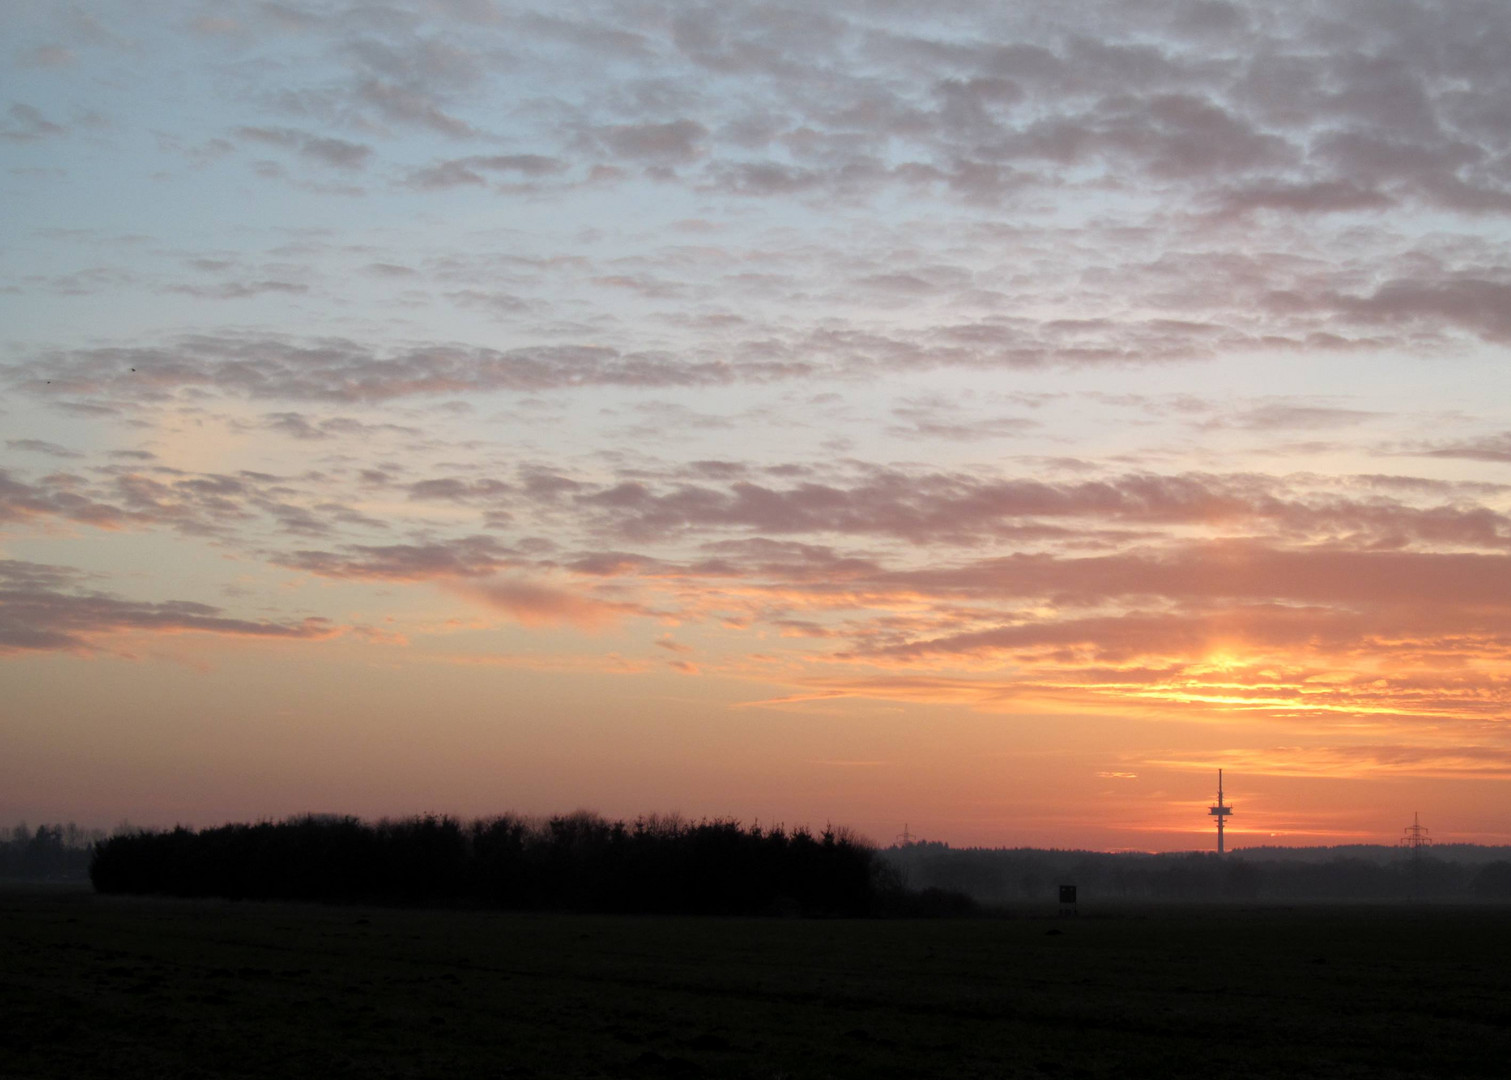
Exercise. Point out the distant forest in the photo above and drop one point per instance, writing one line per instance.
(576, 862)
(995, 876)
(58, 853)
(583, 862)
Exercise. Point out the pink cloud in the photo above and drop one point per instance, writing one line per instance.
(543, 605)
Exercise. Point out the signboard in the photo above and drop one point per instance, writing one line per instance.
(1067, 894)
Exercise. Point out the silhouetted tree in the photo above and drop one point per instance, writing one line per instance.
(48, 853)
(573, 862)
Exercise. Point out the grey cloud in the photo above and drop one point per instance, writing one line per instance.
(469, 557)
(409, 105)
(469, 170)
(37, 614)
(499, 303)
(239, 290)
(407, 77)
(764, 178)
(26, 123)
(642, 285)
(341, 370)
(212, 26)
(446, 174)
(1485, 448)
(86, 29)
(940, 419)
(299, 426)
(594, 36)
(142, 495)
(1478, 305)
(20, 500)
(456, 489)
(672, 142)
(957, 508)
(963, 430)
(1312, 109)
(42, 446)
(1315, 197)
(337, 153)
(1286, 416)
(749, 39)
(45, 56)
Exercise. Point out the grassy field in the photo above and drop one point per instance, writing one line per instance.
(100, 986)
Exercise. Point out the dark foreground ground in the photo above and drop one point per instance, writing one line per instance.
(99, 986)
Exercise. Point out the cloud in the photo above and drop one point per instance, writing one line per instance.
(212, 26)
(1485, 448)
(1479, 306)
(1285, 416)
(457, 172)
(1365, 759)
(344, 370)
(468, 557)
(240, 290)
(45, 56)
(144, 494)
(673, 142)
(534, 604)
(937, 419)
(1315, 197)
(308, 428)
(26, 123)
(38, 612)
(41, 446)
(325, 149)
(890, 202)
(938, 507)
(20, 500)
(409, 104)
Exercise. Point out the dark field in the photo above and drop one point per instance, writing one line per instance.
(108, 986)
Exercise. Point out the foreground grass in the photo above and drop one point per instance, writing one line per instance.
(103, 986)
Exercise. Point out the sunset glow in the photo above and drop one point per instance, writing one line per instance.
(989, 417)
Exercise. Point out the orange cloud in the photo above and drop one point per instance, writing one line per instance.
(543, 605)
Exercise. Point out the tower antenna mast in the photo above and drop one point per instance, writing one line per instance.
(1220, 812)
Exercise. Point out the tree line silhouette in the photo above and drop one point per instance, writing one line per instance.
(1351, 873)
(574, 862)
(50, 853)
(665, 864)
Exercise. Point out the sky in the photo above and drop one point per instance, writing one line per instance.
(990, 418)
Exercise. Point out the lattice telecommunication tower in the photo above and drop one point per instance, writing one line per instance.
(1220, 812)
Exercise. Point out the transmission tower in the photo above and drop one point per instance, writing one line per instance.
(905, 838)
(1220, 812)
(1414, 836)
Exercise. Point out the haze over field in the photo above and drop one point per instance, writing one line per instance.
(994, 417)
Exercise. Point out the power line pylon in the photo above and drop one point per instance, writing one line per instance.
(1414, 836)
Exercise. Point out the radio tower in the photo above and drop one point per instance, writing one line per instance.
(1220, 812)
